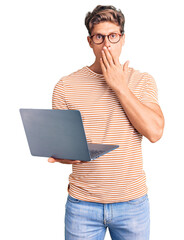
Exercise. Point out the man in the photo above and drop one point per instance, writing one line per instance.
(118, 105)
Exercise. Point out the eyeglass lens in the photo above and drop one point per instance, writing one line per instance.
(113, 37)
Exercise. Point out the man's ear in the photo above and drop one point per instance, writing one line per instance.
(90, 41)
(123, 39)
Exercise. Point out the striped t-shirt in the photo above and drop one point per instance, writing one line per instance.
(117, 176)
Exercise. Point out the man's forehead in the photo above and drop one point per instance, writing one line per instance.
(105, 28)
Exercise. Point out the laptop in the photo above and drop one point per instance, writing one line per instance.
(60, 134)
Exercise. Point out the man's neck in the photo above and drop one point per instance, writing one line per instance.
(95, 67)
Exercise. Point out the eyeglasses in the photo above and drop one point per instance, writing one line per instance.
(113, 37)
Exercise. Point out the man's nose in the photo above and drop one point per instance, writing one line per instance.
(106, 41)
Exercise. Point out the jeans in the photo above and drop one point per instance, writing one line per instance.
(128, 220)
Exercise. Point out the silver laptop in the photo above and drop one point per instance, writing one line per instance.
(60, 134)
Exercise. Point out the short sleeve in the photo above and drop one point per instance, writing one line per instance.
(150, 91)
(58, 96)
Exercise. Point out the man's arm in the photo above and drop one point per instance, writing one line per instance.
(147, 118)
(58, 96)
(58, 102)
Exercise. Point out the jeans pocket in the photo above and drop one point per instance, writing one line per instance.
(138, 200)
(72, 199)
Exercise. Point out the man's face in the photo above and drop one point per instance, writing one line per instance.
(106, 28)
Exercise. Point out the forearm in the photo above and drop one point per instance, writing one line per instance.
(145, 120)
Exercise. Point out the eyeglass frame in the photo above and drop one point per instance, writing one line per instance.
(103, 36)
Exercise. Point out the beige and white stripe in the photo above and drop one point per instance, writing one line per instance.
(118, 175)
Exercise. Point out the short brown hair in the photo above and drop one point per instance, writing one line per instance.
(103, 14)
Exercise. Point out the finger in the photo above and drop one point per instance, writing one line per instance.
(108, 56)
(114, 59)
(112, 56)
(102, 66)
(106, 63)
(76, 161)
(51, 160)
(67, 161)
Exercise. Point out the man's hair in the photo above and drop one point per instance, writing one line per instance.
(104, 14)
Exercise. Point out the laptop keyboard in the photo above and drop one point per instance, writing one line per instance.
(95, 153)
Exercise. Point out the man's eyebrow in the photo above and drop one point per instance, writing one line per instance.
(103, 34)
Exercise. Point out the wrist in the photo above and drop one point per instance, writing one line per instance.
(122, 91)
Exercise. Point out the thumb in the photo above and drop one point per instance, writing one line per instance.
(125, 66)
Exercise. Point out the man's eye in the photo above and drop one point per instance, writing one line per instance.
(113, 35)
(98, 36)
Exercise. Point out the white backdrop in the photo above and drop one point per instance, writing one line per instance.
(33, 57)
